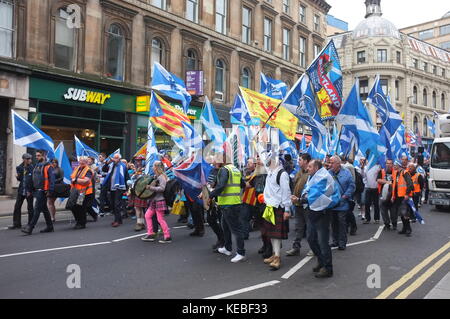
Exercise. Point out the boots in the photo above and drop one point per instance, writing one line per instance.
(270, 259)
(268, 250)
(276, 263)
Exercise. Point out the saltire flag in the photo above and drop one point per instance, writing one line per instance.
(323, 192)
(193, 141)
(301, 102)
(415, 211)
(169, 119)
(347, 141)
(326, 76)
(82, 149)
(262, 107)
(303, 144)
(170, 85)
(317, 153)
(152, 151)
(273, 88)
(398, 143)
(390, 118)
(243, 138)
(213, 126)
(64, 162)
(239, 112)
(431, 127)
(386, 141)
(179, 142)
(287, 146)
(334, 140)
(27, 134)
(141, 153)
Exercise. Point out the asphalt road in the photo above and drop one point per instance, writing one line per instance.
(188, 269)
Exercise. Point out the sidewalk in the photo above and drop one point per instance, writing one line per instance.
(7, 206)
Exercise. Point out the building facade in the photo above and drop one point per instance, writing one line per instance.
(76, 67)
(415, 74)
(435, 32)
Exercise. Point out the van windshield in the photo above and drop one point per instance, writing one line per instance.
(440, 155)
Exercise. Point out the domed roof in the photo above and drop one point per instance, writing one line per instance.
(447, 15)
(375, 26)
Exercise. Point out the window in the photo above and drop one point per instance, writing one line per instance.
(267, 35)
(364, 89)
(434, 99)
(384, 86)
(221, 16)
(416, 124)
(425, 97)
(415, 95)
(302, 14)
(115, 53)
(425, 127)
(6, 28)
(416, 63)
(445, 29)
(64, 42)
(246, 78)
(192, 10)
(157, 52)
(443, 73)
(302, 51)
(246, 25)
(425, 66)
(443, 101)
(445, 45)
(160, 4)
(286, 6)
(286, 44)
(220, 80)
(434, 70)
(382, 55)
(426, 34)
(399, 57)
(361, 57)
(316, 23)
(191, 61)
(317, 50)
(397, 90)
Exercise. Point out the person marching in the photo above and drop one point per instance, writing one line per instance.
(59, 179)
(418, 183)
(82, 180)
(401, 191)
(385, 192)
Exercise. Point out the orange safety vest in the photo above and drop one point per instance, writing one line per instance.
(415, 180)
(383, 176)
(399, 185)
(46, 179)
(88, 188)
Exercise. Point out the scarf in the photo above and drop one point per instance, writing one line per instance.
(118, 177)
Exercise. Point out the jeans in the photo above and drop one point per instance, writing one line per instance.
(388, 213)
(17, 218)
(213, 217)
(116, 205)
(231, 223)
(372, 197)
(350, 219)
(300, 226)
(40, 206)
(339, 227)
(103, 198)
(246, 216)
(318, 235)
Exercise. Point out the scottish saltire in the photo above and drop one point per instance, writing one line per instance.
(317, 153)
(193, 141)
(262, 107)
(82, 149)
(244, 142)
(239, 112)
(152, 151)
(141, 153)
(415, 211)
(398, 143)
(301, 102)
(273, 88)
(326, 77)
(390, 118)
(28, 135)
(323, 192)
(170, 85)
(334, 140)
(179, 142)
(386, 141)
(170, 121)
(213, 126)
(287, 146)
(347, 141)
(431, 127)
(64, 162)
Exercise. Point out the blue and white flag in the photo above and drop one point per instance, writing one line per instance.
(415, 211)
(287, 146)
(155, 107)
(64, 162)
(301, 102)
(192, 141)
(347, 141)
(152, 151)
(431, 126)
(316, 153)
(398, 144)
(273, 88)
(82, 149)
(28, 135)
(390, 118)
(171, 85)
(213, 126)
(334, 140)
(239, 113)
(303, 144)
(386, 141)
(323, 192)
(244, 138)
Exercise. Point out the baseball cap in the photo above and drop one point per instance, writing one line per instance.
(26, 156)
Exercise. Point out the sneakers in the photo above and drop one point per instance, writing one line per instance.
(238, 258)
(376, 222)
(149, 237)
(323, 273)
(293, 252)
(139, 227)
(310, 253)
(224, 251)
(165, 240)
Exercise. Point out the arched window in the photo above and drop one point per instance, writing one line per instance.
(416, 124)
(115, 52)
(157, 54)
(434, 99)
(425, 127)
(220, 80)
(246, 78)
(191, 60)
(443, 101)
(425, 97)
(415, 95)
(65, 44)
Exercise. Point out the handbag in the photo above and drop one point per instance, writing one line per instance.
(178, 207)
(73, 198)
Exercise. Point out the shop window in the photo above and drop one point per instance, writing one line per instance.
(65, 42)
(6, 28)
(115, 53)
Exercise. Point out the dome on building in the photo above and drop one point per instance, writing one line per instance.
(375, 26)
(447, 15)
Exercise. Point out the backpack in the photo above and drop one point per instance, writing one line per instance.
(291, 182)
(359, 183)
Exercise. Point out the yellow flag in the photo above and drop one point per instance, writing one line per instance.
(269, 214)
(261, 106)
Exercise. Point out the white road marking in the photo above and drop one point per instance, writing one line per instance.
(53, 249)
(360, 242)
(297, 267)
(240, 291)
(378, 233)
(177, 227)
(125, 238)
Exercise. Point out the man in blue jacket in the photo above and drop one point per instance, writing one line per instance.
(344, 181)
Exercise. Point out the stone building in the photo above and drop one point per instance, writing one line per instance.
(413, 72)
(54, 53)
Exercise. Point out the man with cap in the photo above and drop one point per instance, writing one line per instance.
(402, 190)
(25, 191)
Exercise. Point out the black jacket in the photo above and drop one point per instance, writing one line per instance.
(25, 177)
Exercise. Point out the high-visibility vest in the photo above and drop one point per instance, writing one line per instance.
(87, 189)
(415, 180)
(400, 186)
(383, 176)
(231, 195)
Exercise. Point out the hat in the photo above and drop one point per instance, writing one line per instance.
(26, 156)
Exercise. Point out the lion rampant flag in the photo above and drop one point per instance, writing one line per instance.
(261, 106)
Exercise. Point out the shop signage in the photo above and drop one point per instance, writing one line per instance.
(194, 82)
(86, 96)
(143, 103)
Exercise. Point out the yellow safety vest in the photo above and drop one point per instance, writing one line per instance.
(231, 195)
